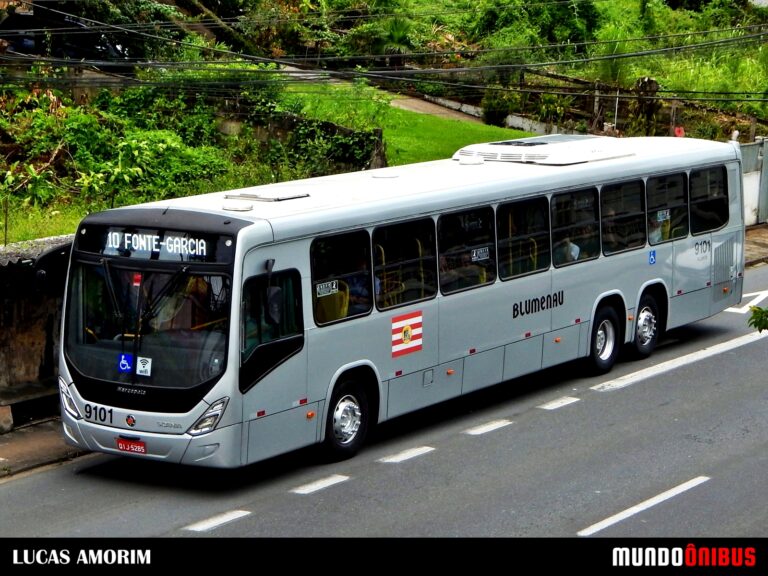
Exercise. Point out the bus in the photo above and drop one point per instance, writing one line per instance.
(227, 328)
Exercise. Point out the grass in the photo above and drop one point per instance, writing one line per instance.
(412, 137)
(409, 136)
(30, 222)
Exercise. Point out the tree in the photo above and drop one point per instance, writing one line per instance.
(396, 41)
(121, 13)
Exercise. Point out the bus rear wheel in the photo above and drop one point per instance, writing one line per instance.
(605, 340)
(348, 420)
(647, 326)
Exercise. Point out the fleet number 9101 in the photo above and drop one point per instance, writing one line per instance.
(98, 414)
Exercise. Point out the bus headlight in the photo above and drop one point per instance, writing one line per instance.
(210, 419)
(67, 401)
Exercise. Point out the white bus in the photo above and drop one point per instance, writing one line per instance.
(226, 328)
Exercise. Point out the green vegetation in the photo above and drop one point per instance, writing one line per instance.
(412, 137)
(759, 318)
(409, 136)
(62, 157)
(142, 145)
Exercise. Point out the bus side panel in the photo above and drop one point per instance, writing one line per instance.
(522, 357)
(369, 340)
(561, 346)
(418, 353)
(692, 280)
(693, 264)
(485, 369)
(577, 287)
(280, 433)
(728, 248)
(726, 281)
(425, 388)
(488, 317)
(688, 308)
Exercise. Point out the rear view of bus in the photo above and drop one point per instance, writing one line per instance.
(146, 336)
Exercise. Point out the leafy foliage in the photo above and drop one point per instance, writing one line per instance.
(759, 318)
(496, 107)
(127, 12)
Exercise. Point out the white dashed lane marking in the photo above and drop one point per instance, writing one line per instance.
(487, 427)
(216, 521)
(320, 484)
(559, 403)
(406, 455)
(616, 518)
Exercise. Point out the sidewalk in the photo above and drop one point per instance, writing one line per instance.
(37, 444)
(756, 245)
(32, 446)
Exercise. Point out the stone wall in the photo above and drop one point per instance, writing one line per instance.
(32, 278)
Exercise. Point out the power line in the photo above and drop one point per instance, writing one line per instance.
(401, 74)
(134, 28)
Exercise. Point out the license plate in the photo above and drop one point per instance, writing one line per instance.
(133, 446)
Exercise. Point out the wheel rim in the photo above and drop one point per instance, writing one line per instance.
(347, 418)
(605, 340)
(646, 326)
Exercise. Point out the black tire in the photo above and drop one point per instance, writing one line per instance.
(604, 344)
(348, 421)
(646, 327)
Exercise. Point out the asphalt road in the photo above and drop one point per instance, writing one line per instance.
(679, 452)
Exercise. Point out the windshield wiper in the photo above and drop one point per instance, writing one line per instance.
(111, 289)
(154, 305)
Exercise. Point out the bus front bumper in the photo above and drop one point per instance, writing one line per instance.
(220, 448)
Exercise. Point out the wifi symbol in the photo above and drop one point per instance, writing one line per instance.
(144, 367)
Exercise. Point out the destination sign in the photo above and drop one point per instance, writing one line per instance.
(184, 246)
(155, 244)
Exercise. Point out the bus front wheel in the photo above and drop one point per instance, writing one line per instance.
(347, 423)
(605, 340)
(647, 327)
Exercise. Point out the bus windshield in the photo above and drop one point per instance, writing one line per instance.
(162, 328)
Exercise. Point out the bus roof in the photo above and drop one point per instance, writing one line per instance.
(482, 173)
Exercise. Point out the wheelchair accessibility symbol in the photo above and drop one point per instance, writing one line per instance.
(652, 257)
(125, 363)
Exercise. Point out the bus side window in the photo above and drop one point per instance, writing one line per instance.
(575, 227)
(709, 199)
(523, 229)
(342, 282)
(404, 263)
(622, 208)
(467, 248)
(667, 201)
(271, 309)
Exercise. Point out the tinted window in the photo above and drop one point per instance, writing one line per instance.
(405, 266)
(523, 231)
(667, 208)
(342, 284)
(467, 246)
(622, 209)
(272, 309)
(709, 199)
(575, 230)
(271, 330)
(159, 328)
